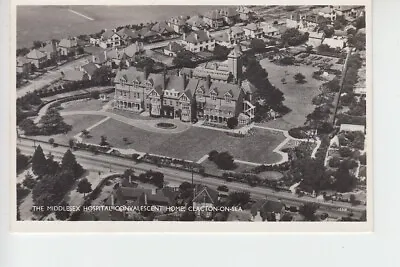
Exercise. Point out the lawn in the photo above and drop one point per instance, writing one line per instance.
(78, 123)
(193, 143)
(83, 104)
(298, 97)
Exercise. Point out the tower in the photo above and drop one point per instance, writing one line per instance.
(235, 62)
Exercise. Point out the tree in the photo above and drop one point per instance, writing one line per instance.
(358, 41)
(37, 44)
(329, 31)
(353, 199)
(51, 141)
(71, 143)
(359, 23)
(69, 164)
(221, 52)
(80, 50)
(52, 166)
(85, 133)
(293, 37)
(102, 76)
(308, 211)
(334, 162)
(53, 123)
(286, 217)
(95, 94)
(184, 59)
(257, 45)
(225, 161)
(39, 166)
(22, 160)
(344, 181)
(145, 63)
(29, 127)
(238, 198)
(84, 186)
(129, 173)
(212, 155)
(300, 78)
(29, 182)
(103, 140)
(63, 214)
(232, 122)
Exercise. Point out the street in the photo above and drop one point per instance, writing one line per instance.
(103, 162)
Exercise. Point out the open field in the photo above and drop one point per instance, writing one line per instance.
(47, 22)
(83, 104)
(191, 144)
(298, 97)
(78, 123)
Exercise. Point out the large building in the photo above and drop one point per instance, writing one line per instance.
(186, 96)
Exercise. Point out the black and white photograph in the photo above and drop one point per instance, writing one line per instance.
(247, 114)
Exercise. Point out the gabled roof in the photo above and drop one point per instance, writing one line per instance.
(197, 36)
(162, 28)
(22, 60)
(133, 49)
(222, 88)
(252, 27)
(175, 82)
(130, 76)
(35, 54)
(204, 194)
(157, 80)
(248, 87)
(108, 34)
(181, 21)
(236, 30)
(99, 58)
(213, 14)
(115, 54)
(223, 37)
(316, 35)
(90, 68)
(68, 43)
(267, 206)
(126, 33)
(48, 48)
(174, 47)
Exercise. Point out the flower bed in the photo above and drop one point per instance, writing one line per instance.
(166, 125)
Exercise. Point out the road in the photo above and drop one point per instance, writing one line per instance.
(49, 77)
(102, 162)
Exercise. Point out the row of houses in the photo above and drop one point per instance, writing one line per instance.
(51, 51)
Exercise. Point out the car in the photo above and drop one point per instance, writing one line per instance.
(223, 188)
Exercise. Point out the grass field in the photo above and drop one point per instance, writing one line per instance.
(191, 144)
(78, 123)
(298, 97)
(83, 104)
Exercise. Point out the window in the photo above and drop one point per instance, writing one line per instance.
(121, 92)
(124, 93)
(227, 99)
(170, 103)
(213, 97)
(165, 102)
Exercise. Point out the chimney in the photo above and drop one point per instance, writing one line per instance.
(184, 81)
(145, 72)
(93, 58)
(165, 79)
(184, 36)
(196, 35)
(208, 82)
(130, 179)
(112, 199)
(105, 54)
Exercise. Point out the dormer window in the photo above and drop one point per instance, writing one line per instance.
(227, 99)
(213, 96)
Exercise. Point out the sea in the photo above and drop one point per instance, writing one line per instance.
(55, 22)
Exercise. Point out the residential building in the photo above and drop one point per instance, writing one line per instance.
(204, 197)
(116, 58)
(253, 30)
(350, 11)
(67, 46)
(236, 33)
(335, 42)
(127, 35)
(315, 38)
(196, 23)
(162, 28)
(224, 39)
(100, 59)
(50, 49)
(172, 49)
(327, 12)
(37, 58)
(147, 35)
(229, 15)
(24, 66)
(245, 13)
(110, 38)
(89, 69)
(270, 30)
(198, 41)
(213, 19)
(178, 24)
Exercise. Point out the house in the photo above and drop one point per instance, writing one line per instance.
(335, 42)
(213, 19)
(74, 76)
(172, 49)
(236, 33)
(173, 96)
(89, 69)
(352, 128)
(230, 15)
(147, 35)
(198, 41)
(327, 12)
(127, 35)
(268, 210)
(269, 30)
(110, 38)
(132, 51)
(350, 11)
(253, 30)
(101, 59)
(67, 46)
(50, 49)
(204, 197)
(178, 24)
(116, 58)
(162, 28)
(224, 39)
(245, 13)
(37, 58)
(196, 23)
(24, 66)
(315, 38)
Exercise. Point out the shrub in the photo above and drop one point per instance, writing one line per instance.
(345, 152)
(212, 155)
(51, 141)
(95, 94)
(225, 161)
(334, 162)
(298, 133)
(232, 122)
